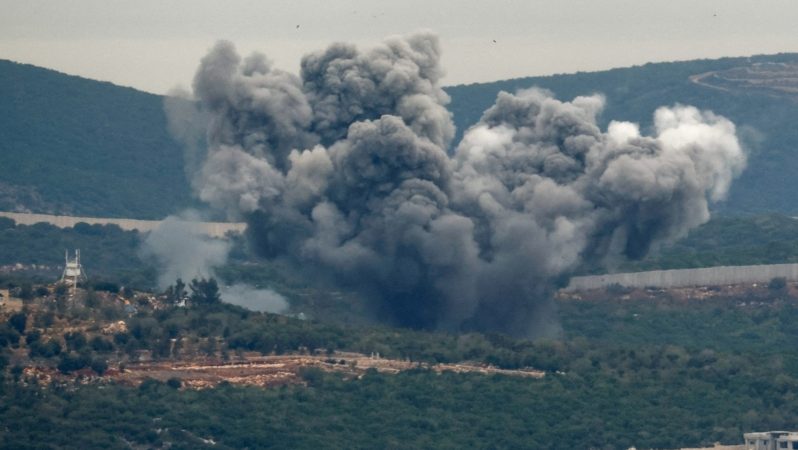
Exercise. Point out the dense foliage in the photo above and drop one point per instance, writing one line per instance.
(69, 145)
(108, 252)
(727, 241)
(662, 374)
(411, 410)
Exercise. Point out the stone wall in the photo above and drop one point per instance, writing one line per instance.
(707, 276)
(213, 229)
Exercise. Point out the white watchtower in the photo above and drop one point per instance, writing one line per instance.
(73, 271)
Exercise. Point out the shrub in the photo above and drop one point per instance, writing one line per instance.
(18, 321)
(777, 284)
(71, 362)
(99, 366)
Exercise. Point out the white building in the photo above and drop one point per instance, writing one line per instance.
(771, 440)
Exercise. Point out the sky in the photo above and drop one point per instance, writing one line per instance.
(156, 45)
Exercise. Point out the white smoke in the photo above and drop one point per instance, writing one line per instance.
(182, 250)
(265, 300)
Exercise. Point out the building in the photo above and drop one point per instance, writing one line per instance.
(771, 440)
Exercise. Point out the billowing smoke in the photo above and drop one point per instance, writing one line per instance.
(344, 171)
(187, 124)
(181, 250)
(254, 298)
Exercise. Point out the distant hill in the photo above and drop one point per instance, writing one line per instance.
(70, 145)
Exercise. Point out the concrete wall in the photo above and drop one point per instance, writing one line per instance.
(689, 277)
(214, 229)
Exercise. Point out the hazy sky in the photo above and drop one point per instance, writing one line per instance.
(156, 45)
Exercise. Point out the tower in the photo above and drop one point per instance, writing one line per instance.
(73, 271)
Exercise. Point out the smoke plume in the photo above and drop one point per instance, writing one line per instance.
(344, 171)
(181, 250)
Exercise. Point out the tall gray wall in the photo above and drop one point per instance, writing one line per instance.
(213, 229)
(689, 277)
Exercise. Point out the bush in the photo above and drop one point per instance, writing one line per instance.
(204, 292)
(121, 338)
(92, 299)
(18, 322)
(777, 284)
(71, 362)
(8, 336)
(101, 345)
(313, 376)
(26, 292)
(99, 366)
(75, 341)
(61, 290)
(106, 286)
(46, 349)
(33, 336)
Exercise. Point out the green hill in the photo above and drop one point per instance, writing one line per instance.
(71, 145)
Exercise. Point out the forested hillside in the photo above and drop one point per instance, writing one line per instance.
(69, 145)
(663, 373)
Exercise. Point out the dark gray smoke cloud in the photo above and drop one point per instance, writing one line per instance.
(398, 78)
(344, 171)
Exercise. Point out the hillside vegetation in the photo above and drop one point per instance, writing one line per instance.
(657, 374)
(727, 241)
(70, 145)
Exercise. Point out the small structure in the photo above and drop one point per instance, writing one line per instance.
(771, 440)
(73, 270)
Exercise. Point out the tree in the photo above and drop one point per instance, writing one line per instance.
(18, 321)
(33, 336)
(92, 299)
(204, 292)
(99, 365)
(75, 340)
(176, 292)
(61, 290)
(72, 362)
(8, 336)
(777, 284)
(26, 292)
(44, 349)
(98, 344)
